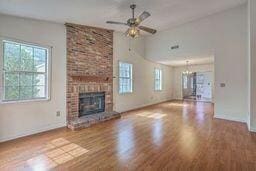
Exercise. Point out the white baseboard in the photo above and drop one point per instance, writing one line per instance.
(35, 131)
(177, 99)
(143, 105)
(230, 118)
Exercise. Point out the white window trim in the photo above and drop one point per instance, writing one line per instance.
(48, 71)
(123, 93)
(183, 81)
(161, 79)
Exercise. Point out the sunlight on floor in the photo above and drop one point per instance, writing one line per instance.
(61, 151)
(125, 143)
(157, 132)
(152, 115)
(178, 104)
(187, 141)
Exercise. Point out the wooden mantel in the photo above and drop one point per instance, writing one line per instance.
(90, 78)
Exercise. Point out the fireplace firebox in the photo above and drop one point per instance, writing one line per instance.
(91, 103)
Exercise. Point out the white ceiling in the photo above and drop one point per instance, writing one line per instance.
(165, 13)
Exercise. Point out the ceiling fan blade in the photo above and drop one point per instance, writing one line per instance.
(115, 22)
(142, 17)
(147, 29)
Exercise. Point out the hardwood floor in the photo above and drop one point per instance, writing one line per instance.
(168, 136)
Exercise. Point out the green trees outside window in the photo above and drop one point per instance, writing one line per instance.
(25, 71)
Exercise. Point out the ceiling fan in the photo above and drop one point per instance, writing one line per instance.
(134, 24)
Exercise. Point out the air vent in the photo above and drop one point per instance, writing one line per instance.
(175, 47)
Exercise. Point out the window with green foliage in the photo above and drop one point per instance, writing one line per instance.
(24, 72)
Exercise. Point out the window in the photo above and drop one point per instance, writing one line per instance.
(192, 82)
(185, 81)
(125, 77)
(25, 72)
(158, 79)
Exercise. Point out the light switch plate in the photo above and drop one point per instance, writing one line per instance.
(58, 113)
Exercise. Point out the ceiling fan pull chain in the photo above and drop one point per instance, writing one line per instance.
(132, 13)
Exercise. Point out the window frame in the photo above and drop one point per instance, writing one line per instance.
(184, 86)
(160, 79)
(192, 82)
(131, 78)
(47, 71)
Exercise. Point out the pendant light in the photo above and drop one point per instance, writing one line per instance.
(187, 72)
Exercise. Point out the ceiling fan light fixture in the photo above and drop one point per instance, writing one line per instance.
(134, 24)
(133, 32)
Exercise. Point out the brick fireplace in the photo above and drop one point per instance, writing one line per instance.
(89, 70)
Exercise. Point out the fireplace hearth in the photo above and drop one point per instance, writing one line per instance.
(91, 103)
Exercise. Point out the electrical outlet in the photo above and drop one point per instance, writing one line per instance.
(58, 113)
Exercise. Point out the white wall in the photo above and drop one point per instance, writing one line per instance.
(19, 119)
(177, 87)
(224, 35)
(143, 76)
(252, 56)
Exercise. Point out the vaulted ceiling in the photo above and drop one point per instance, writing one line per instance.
(165, 13)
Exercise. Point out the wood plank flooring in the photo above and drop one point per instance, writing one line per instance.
(169, 136)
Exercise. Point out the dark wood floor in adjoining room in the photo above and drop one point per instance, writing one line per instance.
(169, 136)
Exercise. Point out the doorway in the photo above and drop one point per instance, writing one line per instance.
(197, 86)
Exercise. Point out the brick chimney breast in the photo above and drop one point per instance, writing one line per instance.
(89, 67)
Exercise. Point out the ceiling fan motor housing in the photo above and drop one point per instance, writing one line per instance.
(132, 6)
(131, 21)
